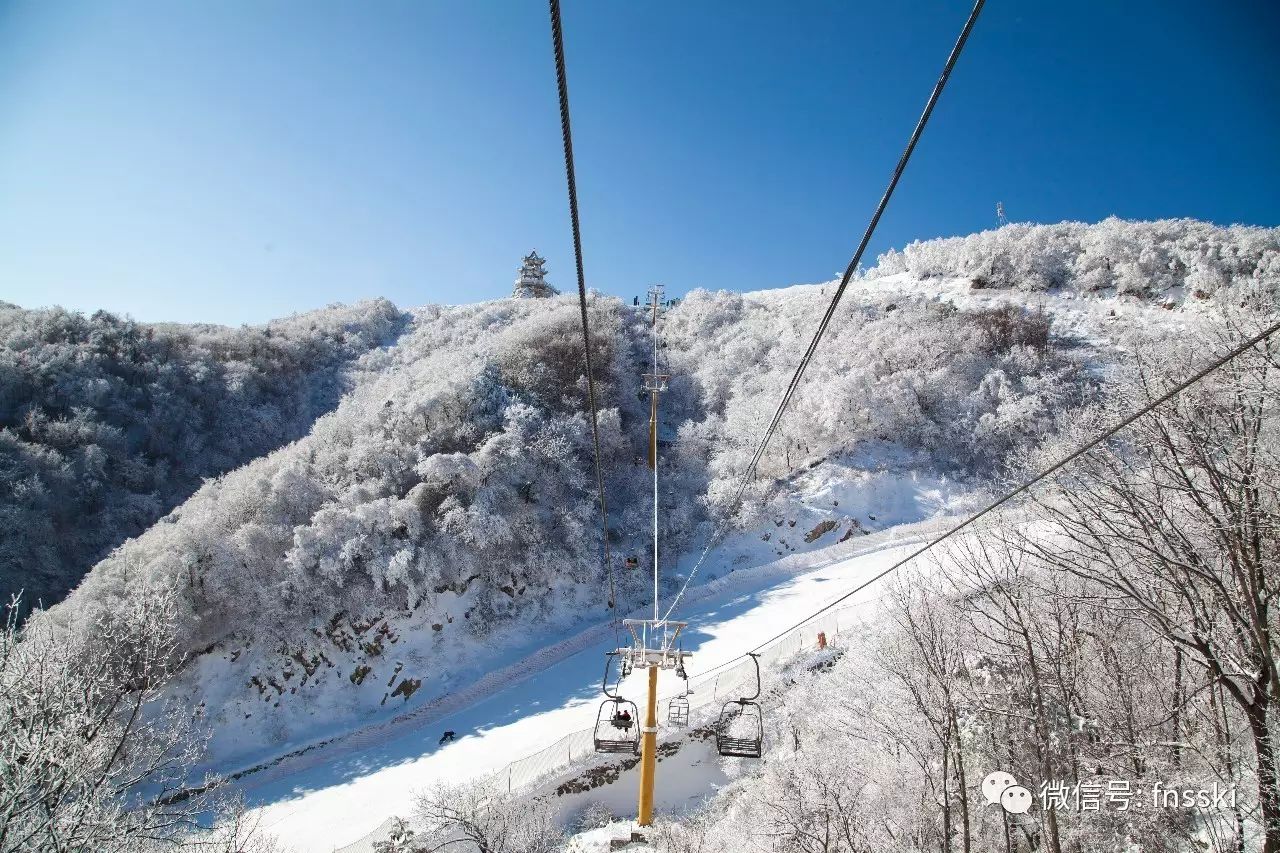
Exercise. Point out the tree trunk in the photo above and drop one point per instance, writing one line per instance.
(945, 846)
(962, 783)
(1046, 745)
(1268, 784)
(1177, 706)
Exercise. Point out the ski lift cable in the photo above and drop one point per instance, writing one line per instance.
(562, 86)
(849, 272)
(1200, 374)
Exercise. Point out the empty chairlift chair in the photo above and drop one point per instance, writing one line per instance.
(740, 729)
(678, 706)
(678, 711)
(617, 722)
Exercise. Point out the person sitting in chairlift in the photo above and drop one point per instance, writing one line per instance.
(622, 719)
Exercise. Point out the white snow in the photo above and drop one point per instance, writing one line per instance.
(326, 806)
(871, 490)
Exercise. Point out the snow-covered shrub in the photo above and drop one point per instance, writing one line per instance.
(106, 424)
(460, 471)
(965, 386)
(592, 816)
(1140, 259)
(474, 818)
(88, 753)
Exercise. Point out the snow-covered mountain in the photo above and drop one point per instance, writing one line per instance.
(450, 490)
(441, 520)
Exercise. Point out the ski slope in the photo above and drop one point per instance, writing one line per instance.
(334, 802)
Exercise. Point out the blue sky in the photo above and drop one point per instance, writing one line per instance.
(236, 160)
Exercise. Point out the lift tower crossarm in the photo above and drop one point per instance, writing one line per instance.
(654, 643)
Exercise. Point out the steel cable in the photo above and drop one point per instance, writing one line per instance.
(1216, 364)
(849, 272)
(566, 133)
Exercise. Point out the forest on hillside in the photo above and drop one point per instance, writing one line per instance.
(470, 446)
(106, 424)
(256, 482)
(1163, 260)
(1109, 640)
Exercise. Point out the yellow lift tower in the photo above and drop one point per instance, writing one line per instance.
(654, 642)
(654, 646)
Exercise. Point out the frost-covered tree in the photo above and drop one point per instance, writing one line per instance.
(106, 424)
(89, 758)
(454, 484)
(1179, 520)
(473, 817)
(458, 476)
(1170, 258)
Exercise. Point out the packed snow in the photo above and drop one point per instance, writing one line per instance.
(352, 793)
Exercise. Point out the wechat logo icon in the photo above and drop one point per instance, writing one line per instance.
(1000, 787)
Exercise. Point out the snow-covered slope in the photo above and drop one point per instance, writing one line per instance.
(347, 794)
(440, 523)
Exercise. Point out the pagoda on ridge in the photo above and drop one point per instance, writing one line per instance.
(532, 281)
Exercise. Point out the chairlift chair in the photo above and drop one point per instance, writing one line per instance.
(678, 711)
(613, 734)
(615, 731)
(632, 562)
(740, 729)
(678, 706)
